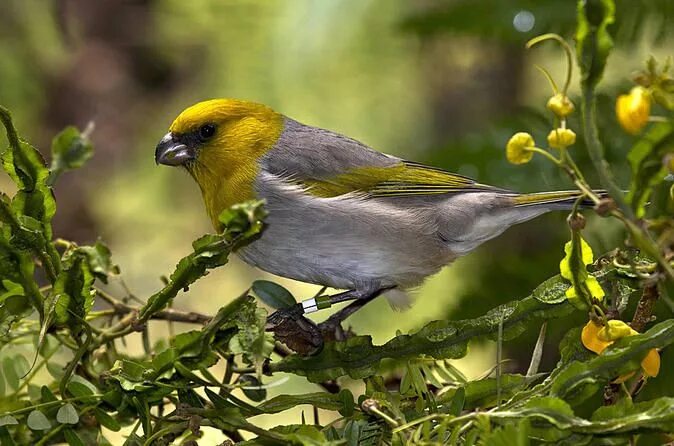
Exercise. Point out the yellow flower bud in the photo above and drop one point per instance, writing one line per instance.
(560, 105)
(561, 138)
(633, 109)
(614, 330)
(518, 149)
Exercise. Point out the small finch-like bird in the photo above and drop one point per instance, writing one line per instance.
(340, 213)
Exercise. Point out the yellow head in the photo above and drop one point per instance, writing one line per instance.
(220, 143)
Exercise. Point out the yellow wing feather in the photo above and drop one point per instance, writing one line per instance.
(403, 179)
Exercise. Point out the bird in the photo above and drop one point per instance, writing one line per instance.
(340, 214)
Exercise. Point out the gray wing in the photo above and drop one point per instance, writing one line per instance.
(306, 152)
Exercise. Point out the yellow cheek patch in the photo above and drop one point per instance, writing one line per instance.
(226, 167)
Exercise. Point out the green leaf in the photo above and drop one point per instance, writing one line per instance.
(11, 377)
(322, 400)
(484, 392)
(458, 401)
(37, 421)
(346, 397)
(508, 435)
(552, 419)
(27, 168)
(552, 291)
(218, 401)
(57, 371)
(21, 366)
(359, 358)
(252, 388)
(70, 149)
(107, 421)
(626, 417)
(99, 259)
(8, 420)
(11, 289)
(646, 160)
(301, 434)
(67, 414)
(46, 395)
(552, 407)
(80, 387)
(593, 40)
(72, 438)
(16, 264)
(73, 291)
(273, 294)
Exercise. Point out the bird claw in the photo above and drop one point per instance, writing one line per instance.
(333, 331)
(294, 330)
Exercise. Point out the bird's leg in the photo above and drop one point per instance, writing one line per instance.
(331, 328)
(291, 327)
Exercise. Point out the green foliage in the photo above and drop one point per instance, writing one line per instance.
(70, 149)
(358, 358)
(646, 160)
(79, 385)
(593, 40)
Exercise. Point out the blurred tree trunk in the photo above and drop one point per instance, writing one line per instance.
(115, 70)
(471, 81)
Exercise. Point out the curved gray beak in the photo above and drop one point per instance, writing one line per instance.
(171, 152)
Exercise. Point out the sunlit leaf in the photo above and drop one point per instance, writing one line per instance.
(70, 149)
(646, 160)
(273, 294)
(8, 420)
(37, 421)
(593, 39)
(67, 414)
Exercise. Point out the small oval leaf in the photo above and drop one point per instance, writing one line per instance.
(10, 374)
(273, 294)
(67, 414)
(37, 421)
(105, 420)
(252, 388)
(8, 420)
(55, 370)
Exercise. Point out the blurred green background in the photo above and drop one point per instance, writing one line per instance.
(441, 82)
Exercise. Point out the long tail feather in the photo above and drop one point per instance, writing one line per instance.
(556, 200)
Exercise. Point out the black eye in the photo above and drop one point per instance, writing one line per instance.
(206, 131)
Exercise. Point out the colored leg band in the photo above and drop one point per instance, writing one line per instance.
(316, 303)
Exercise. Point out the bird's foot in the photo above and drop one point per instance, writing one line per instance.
(297, 332)
(332, 330)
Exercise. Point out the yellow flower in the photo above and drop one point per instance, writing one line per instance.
(560, 105)
(561, 138)
(518, 149)
(590, 281)
(633, 109)
(596, 338)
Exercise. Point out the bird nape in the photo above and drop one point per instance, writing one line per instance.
(340, 214)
